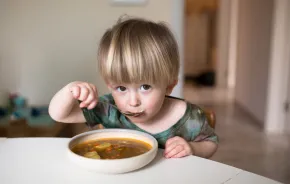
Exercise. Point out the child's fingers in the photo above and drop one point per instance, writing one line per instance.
(75, 90)
(84, 92)
(169, 147)
(180, 154)
(89, 96)
(94, 89)
(92, 105)
(92, 96)
(171, 144)
(177, 149)
(87, 93)
(171, 140)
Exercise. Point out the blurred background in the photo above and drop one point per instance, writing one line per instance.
(234, 57)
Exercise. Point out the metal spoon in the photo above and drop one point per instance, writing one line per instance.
(127, 113)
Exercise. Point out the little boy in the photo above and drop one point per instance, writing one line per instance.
(139, 61)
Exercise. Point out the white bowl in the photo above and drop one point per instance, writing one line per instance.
(117, 165)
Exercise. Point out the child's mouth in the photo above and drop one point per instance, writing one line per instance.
(133, 114)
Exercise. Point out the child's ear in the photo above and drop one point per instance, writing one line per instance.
(170, 87)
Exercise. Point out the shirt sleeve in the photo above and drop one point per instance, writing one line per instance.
(99, 114)
(207, 132)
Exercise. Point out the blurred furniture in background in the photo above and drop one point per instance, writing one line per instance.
(22, 128)
(211, 118)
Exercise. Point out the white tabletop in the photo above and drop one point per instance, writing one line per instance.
(2, 138)
(44, 160)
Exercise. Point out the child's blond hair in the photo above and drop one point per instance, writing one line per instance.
(137, 50)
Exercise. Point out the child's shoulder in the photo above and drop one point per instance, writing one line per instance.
(188, 109)
(179, 102)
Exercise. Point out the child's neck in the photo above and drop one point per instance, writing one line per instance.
(170, 113)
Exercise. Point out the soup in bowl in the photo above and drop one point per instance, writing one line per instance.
(112, 151)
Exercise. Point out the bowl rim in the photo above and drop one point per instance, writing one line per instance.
(154, 147)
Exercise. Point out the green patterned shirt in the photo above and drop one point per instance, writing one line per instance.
(193, 126)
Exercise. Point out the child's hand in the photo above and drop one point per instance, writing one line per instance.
(177, 147)
(85, 92)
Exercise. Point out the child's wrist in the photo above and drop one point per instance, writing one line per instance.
(192, 147)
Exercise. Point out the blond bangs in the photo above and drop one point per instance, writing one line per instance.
(134, 54)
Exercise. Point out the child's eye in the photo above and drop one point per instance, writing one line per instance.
(121, 88)
(145, 87)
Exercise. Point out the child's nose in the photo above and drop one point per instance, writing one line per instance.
(134, 100)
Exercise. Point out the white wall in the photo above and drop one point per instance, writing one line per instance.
(232, 55)
(46, 44)
(277, 120)
(196, 43)
(253, 55)
(223, 42)
(177, 24)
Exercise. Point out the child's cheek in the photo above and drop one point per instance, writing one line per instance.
(120, 104)
(153, 106)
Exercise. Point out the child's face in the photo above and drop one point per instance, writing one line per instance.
(138, 97)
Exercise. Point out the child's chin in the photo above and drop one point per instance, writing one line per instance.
(138, 120)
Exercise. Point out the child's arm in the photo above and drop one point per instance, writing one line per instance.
(178, 147)
(203, 149)
(203, 145)
(64, 106)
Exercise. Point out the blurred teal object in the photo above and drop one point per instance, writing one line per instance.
(41, 120)
(19, 102)
(21, 113)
